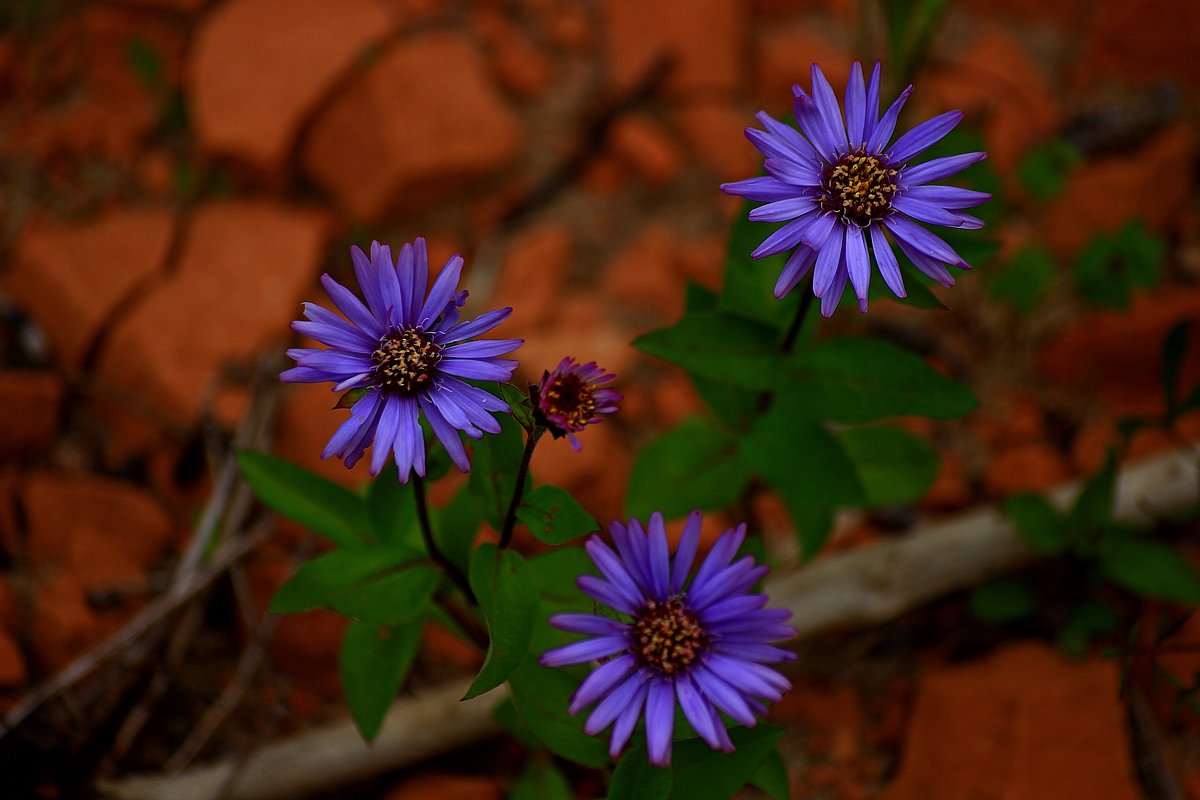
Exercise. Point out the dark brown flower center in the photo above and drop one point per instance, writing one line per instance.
(568, 400)
(405, 361)
(667, 636)
(859, 187)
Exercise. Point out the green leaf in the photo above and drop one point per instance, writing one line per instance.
(1044, 170)
(326, 578)
(1174, 346)
(690, 466)
(506, 716)
(1038, 522)
(374, 661)
(749, 287)
(894, 467)
(1002, 601)
(393, 509)
(540, 780)
(635, 778)
(772, 776)
(1023, 281)
(554, 516)
(457, 526)
(508, 595)
(518, 401)
(1088, 620)
(1092, 511)
(702, 773)
(541, 697)
(720, 347)
(394, 597)
(494, 465)
(308, 499)
(807, 466)
(1110, 268)
(1150, 568)
(555, 573)
(864, 380)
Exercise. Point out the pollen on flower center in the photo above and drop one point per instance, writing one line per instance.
(569, 400)
(667, 636)
(405, 360)
(859, 187)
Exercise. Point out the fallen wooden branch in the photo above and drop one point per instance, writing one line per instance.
(858, 588)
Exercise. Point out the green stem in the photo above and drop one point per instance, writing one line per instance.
(431, 547)
(793, 332)
(510, 519)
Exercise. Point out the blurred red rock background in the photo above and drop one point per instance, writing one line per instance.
(176, 174)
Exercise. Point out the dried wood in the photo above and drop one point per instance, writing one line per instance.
(858, 588)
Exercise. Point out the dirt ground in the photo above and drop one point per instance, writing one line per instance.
(176, 174)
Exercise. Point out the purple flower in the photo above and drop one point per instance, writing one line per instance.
(703, 643)
(406, 353)
(846, 192)
(570, 397)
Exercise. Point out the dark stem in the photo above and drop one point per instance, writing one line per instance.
(510, 519)
(431, 547)
(793, 333)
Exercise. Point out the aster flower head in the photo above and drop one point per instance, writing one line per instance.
(401, 354)
(703, 643)
(847, 195)
(572, 395)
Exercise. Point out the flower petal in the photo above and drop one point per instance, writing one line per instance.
(889, 267)
(923, 136)
(660, 722)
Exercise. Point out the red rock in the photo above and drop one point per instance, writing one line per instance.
(832, 719)
(675, 398)
(596, 475)
(1139, 43)
(31, 401)
(570, 28)
(716, 132)
(644, 273)
(174, 5)
(244, 267)
(702, 260)
(446, 787)
(259, 68)
(102, 531)
(1102, 196)
(1025, 467)
(12, 607)
(995, 77)
(786, 56)
(307, 420)
(71, 277)
(444, 649)
(584, 328)
(65, 626)
(645, 147)
(12, 663)
(951, 488)
(705, 38)
(80, 95)
(421, 122)
(1118, 354)
(524, 69)
(1022, 724)
(532, 276)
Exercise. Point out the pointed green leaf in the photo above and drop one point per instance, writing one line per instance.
(541, 697)
(494, 465)
(864, 380)
(374, 661)
(508, 595)
(326, 578)
(893, 466)
(393, 509)
(306, 498)
(1038, 522)
(690, 466)
(720, 347)
(1150, 568)
(540, 780)
(554, 516)
(394, 597)
(702, 773)
(772, 776)
(635, 778)
(457, 526)
(1002, 601)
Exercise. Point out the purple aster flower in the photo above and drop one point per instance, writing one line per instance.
(846, 193)
(570, 397)
(703, 643)
(403, 353)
